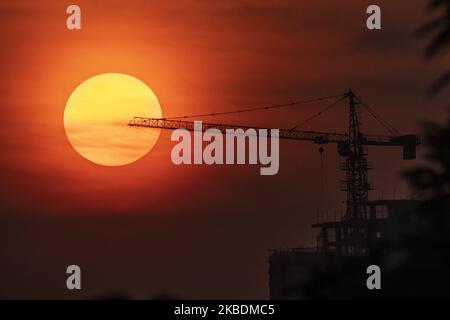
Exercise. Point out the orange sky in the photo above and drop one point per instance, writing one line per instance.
(203, 56)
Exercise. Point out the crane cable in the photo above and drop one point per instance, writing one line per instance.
(251, 109)
(390, 128)
(322, 188)
(320, 112)
(321, 150)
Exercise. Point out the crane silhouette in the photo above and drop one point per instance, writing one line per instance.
(350, 145)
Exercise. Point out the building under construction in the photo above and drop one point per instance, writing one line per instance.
(290, 269)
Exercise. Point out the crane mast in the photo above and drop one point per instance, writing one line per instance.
(356, 165)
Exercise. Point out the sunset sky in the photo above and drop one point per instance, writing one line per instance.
(152, 227)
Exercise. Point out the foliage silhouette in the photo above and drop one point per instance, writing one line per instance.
(439, 29)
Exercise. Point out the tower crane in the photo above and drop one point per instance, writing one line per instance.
(350, 145)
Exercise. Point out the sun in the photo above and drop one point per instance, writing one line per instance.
(96, 117)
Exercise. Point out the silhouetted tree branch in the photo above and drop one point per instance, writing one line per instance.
(439, 29)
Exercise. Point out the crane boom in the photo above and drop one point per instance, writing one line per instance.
(408, 142)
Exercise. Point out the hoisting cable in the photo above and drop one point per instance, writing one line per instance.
(251, 109)
(321, 150)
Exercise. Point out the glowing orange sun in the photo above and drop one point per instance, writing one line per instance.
(96, 117)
